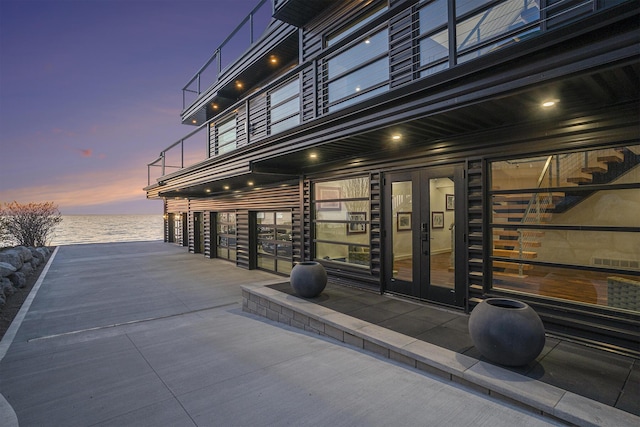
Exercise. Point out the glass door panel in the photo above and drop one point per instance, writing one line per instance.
(402, 208)
(422, 234)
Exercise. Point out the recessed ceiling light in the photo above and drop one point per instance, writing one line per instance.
(208, 190)
(250, 183)
(226, 187)
(396, 137)
(239, 85)
(194, 121)
(549, 103)
(273, 59)
(313, 156)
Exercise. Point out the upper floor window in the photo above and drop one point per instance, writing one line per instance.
(358, 72)
(434, 41)
(494, 27)
(365, 19)
(284, 107)
(224, 137)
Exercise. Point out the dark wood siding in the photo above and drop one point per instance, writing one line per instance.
(478, 242)
(258, 117)
(401, 48)
(241, 129)
(280, 198)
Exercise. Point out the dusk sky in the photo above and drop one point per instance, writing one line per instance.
(90, 92)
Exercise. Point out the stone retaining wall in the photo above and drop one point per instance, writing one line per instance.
(16, 265)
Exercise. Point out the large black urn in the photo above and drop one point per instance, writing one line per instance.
(308, 279)
(506, 331)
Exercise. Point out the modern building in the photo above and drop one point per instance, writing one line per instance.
(444, 150)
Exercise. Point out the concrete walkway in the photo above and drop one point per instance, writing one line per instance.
(146, 334)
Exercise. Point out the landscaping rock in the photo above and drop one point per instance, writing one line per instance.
(11, 256)
(6, 269)
(25, 253)
(18, 279)
(6, 287)
(39, 255)
(44, 251)
(27, 269)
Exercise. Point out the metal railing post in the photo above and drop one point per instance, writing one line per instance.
(163, 163)
(250, 28)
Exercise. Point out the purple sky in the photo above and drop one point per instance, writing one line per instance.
(90, 92)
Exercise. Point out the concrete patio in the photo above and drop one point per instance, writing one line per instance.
(147, 334)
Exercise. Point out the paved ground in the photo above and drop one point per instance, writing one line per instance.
(146, 334)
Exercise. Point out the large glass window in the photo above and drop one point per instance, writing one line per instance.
(434, 41)
(341, 34)
(496, 26)
(226, 136)
(274, 241)
(359, 72)
(226, 235)
(284, 107)
(222, 137)
(342, 221)
(567, 226)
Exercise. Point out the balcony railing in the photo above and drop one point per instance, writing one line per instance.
(243, 37)
(189, 150)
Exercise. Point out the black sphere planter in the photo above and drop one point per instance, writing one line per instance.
(308, 279)
(506, 331)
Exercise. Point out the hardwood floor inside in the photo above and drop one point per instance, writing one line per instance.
(573, 285)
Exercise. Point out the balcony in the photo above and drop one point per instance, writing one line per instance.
(257, 48)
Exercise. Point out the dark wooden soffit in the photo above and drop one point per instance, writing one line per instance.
(229, 185)
(299, 12)
(605, 96)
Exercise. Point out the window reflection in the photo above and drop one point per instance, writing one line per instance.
(566, 225)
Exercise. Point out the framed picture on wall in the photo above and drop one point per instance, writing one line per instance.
(404, 221)
(450, 202)
(437, 219)
(327, 193)
(356, 228)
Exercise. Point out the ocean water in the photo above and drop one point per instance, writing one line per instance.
(78, 229)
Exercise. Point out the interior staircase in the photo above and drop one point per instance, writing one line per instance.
(560, 171)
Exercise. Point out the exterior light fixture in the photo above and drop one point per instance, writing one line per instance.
(239, 85)
(194, 121)
(550, 103)
(273, 59)
(250, 183)
(208, 190)
(313, 156)
(226, 187)
(396, 137)
(214, 106)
